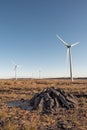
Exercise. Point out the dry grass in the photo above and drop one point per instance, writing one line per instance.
(18, 119)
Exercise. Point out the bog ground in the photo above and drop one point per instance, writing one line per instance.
(15, 118)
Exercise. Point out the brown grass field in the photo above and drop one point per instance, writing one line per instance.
(13, 118)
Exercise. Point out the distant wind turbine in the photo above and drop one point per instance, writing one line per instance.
(68, 50)
(39, 74)
(15, 69)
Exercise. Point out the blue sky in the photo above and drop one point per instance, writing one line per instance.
(28, 31)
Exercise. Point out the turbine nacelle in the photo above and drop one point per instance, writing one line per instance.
(69, 46)
(16, 66)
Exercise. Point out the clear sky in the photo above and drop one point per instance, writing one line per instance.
(28, 31)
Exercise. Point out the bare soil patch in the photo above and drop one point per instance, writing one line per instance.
(15, 118)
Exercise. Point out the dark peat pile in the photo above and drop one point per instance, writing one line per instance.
(51, 99)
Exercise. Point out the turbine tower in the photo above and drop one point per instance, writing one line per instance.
(15, 69)
(68, 50)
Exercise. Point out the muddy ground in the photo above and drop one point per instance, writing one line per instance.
(15, 118)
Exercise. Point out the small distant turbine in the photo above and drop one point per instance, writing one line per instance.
(68, 50)
(15, 69)
(39, 74)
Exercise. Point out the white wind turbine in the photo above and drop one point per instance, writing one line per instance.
(39, 74)
(15, 69)
(68, 50)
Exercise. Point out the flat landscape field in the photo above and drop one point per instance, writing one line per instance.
(15, 118)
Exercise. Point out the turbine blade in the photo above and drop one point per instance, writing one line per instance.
(62, 40)
(74, 44)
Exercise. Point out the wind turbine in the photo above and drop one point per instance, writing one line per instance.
(68, 50)
(15, 69)
(39, 74)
